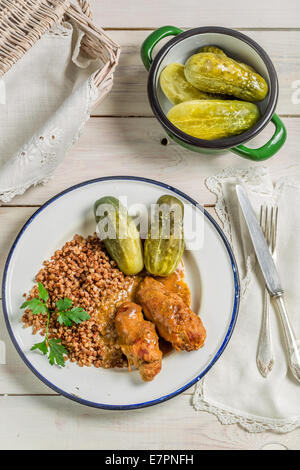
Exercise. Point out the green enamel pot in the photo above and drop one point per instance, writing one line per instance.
(236, 45)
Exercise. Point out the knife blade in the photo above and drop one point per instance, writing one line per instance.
(261, 248)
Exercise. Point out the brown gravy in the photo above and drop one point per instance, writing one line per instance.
(175, 283)
(108, 307)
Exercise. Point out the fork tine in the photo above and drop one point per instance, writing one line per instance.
(276, 223)
(272, 245)
(267, 226)
(274, 226)
(261, 217)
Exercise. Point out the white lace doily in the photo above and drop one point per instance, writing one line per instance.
(233, 389)
(251, 423)
(49, 96)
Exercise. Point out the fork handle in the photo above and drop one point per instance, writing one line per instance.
(264, 356)
(290, 339)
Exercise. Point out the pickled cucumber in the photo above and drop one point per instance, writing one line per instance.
(210, 120)
(164, 247)
(119, 234)
(176, 87)
(217, 50)
(216, 73)
(247, 67)
(214, 50)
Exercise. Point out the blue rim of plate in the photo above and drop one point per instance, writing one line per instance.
(181, 389)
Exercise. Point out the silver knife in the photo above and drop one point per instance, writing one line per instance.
(272, 279)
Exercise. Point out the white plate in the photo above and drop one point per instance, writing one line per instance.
(211, 273)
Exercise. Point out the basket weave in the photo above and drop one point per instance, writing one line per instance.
(23, 22)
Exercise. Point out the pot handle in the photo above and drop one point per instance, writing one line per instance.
(267, 150)
(154, 38)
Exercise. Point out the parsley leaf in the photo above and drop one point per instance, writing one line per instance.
(64, 304)
(76, 315)
(63, 319)
(66, 316)
(41, 346)
(36, 306)
(43, 293)
(57, 352)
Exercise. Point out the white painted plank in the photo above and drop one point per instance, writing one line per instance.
(122, 146)
(129, 93)
(192, 13)
(132, 146)
(57, 423)
(11, 221)
(15, 377)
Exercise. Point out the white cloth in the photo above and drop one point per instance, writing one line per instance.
(234, 390)
(49, 95)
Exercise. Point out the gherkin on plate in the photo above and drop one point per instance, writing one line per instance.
(119, 234)
(164, 246)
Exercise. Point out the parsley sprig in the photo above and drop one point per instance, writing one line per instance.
(67, 315)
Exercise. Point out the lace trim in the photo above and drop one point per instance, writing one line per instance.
(214, 184)
(251, 176)
(249, 422)
(92, 99)
(252, 423)
(8, 195)
(43, 147)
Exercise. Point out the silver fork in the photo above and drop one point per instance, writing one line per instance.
(264, 356)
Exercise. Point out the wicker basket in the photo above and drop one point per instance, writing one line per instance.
(23, 22)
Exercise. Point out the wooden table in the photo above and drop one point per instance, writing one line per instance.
(123, 138)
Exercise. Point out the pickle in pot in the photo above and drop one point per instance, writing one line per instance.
(176, 87)
(210, 120)
(217, 50)
(164, 246)
(120, 235)
(216, 73)
(213, 50)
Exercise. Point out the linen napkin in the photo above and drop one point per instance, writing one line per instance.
(234, 389)
(48, 97)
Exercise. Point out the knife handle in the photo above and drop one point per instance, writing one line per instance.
(290, 339)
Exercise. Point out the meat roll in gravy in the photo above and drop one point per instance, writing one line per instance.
(138, 340)
(174, 320)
